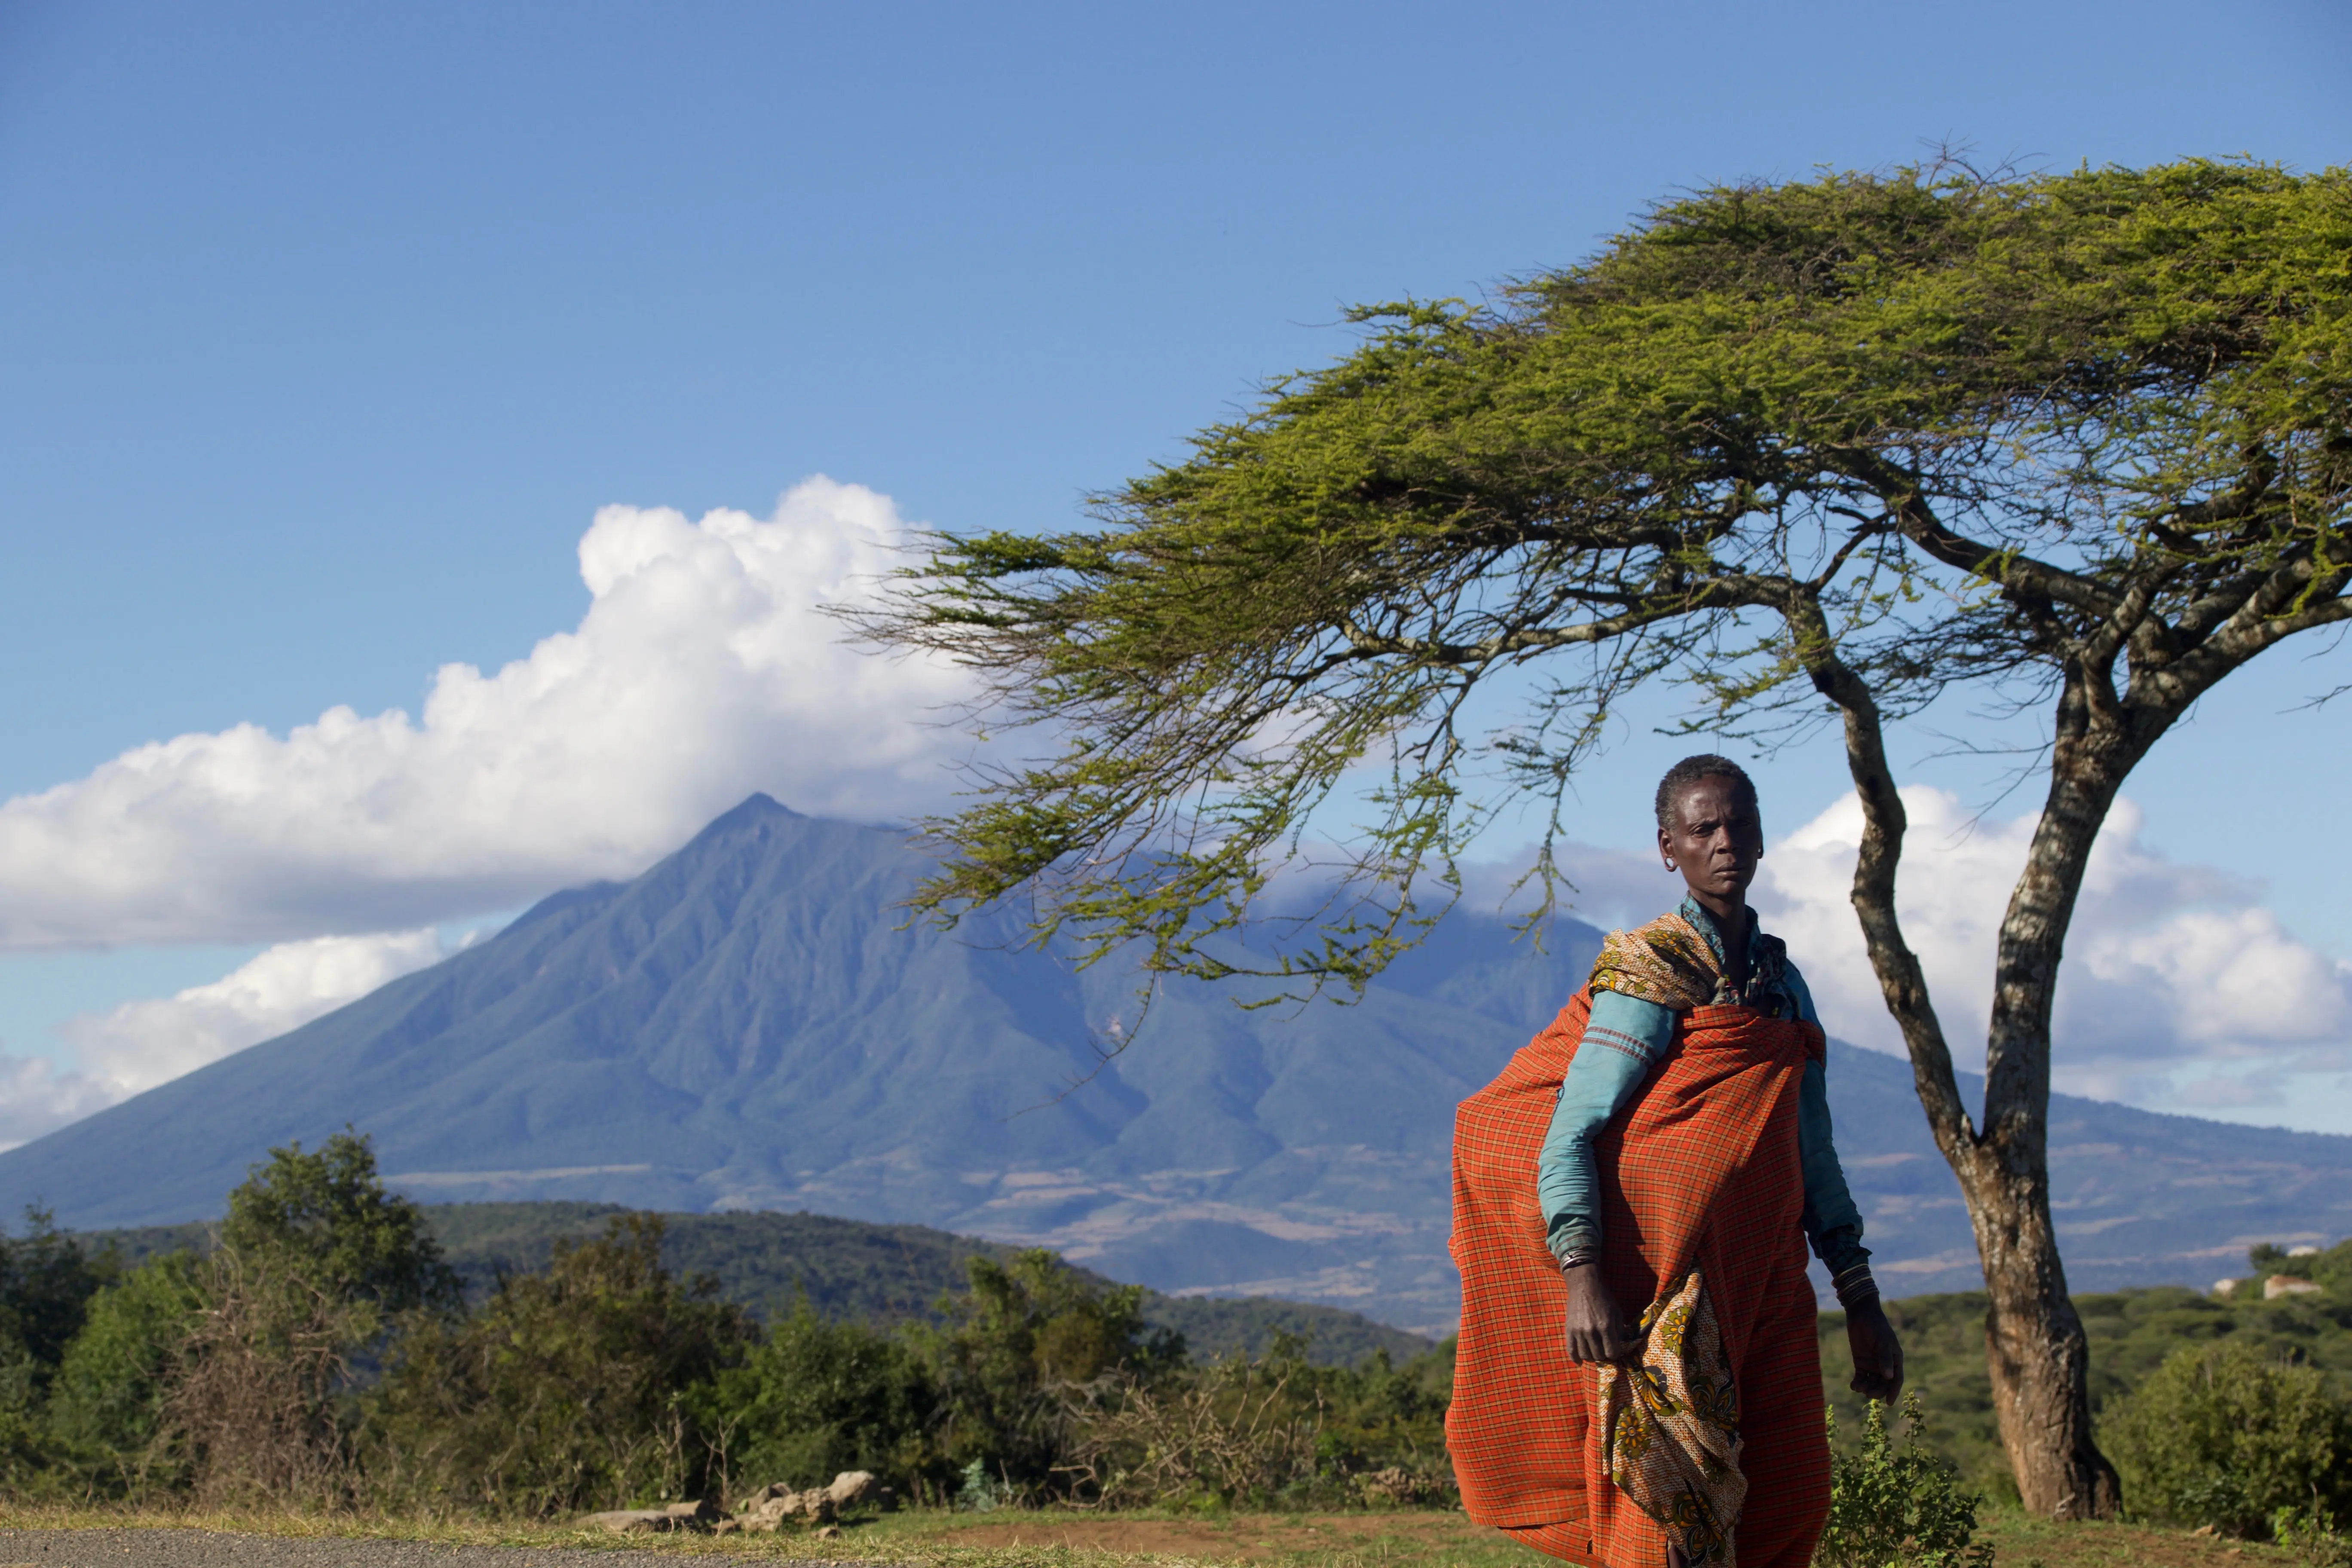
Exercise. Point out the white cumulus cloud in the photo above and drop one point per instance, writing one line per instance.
(702, 672)
(139, 1044)
(2168, 966)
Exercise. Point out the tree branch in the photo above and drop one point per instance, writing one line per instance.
(1884, 823)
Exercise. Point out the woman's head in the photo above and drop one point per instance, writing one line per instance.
(1710, 827)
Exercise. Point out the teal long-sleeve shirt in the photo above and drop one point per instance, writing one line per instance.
(1625, 1039)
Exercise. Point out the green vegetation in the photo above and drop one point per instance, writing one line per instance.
(569, 1389)
(2131, 1332)
(322, 1355)
(1899, 1506)
(844, 1270)
(2227, 1436)
(322, 1351)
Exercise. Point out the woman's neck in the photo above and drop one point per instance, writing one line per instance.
(1731, 929)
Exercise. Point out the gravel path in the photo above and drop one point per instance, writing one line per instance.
(213, 1549)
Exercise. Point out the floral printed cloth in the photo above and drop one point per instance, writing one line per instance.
(1672, 1426)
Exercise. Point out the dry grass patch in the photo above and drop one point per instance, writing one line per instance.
(1071, 1539)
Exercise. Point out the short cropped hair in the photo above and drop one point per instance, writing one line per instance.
(1688, 772)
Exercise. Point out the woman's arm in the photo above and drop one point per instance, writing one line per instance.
(1623, 1039)
(1832, 1223)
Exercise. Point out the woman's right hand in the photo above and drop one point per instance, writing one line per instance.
(1596, 1330)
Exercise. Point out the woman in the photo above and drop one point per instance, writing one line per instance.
(1663, 1146)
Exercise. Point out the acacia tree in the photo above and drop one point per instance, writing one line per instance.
(1822, 450)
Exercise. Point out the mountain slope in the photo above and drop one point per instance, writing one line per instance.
(751, 1024)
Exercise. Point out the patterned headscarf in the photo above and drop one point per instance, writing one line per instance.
(1677, 962)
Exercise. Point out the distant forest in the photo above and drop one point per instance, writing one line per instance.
(849, 1272)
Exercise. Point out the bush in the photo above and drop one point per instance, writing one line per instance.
(252, 1403)
(1893, 1508)
(106, 1403)
(2226, 1436)
(1018, 1346)
(330, 1221)
(47, 1280)
(2311, 1534)
(815, 1399)
(570, 1389)
(1235, 1431)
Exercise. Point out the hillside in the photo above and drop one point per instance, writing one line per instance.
(842, 1269)
(751, 1027)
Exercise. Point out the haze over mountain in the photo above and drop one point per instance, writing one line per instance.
(751, 1023)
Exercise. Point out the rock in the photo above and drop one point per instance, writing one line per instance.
(678, 1515)
(2305, 1250)
(770, 1507)
(2279, 1285)
(852, 1486)
(629, 1520)
(828, 1532)
(2225, 1287)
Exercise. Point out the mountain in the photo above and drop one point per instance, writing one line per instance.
(753, 1025)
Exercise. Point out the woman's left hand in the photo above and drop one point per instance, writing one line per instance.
(1877, 1353)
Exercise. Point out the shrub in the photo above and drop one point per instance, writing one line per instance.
(570, 1389)
(2311, 1534)
(251, 1406)
(817, 1398)
(1383, 1435)
(1028, 1334)
(106, 1403)
(313, 1261)
(1897, 1508)
(329, 1219)
(1234, 1431)
(2224, 1435)
(47, 1280)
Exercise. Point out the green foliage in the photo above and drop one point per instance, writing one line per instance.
(2225, 1436)
(107, 1404)
(2312, 1535)
(1875, 432)
(2131, 1333)
(814, 1398)
(1897, 1508)
(46, 1279)
(847, 1270)
(1027, 1333)
(570, 1389)
(330, 1216)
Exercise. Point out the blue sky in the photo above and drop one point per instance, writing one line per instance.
(329, 329)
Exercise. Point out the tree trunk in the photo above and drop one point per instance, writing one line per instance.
(2036, 1349)
(2034, 1345)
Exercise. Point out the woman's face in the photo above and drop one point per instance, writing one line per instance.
(1716, 839)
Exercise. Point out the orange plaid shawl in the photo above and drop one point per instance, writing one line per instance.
(1701, 1171)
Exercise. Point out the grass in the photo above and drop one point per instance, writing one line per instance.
(1149, 1539)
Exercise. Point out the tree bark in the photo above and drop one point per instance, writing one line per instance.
(2035, 1349)
(2034, 1344)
